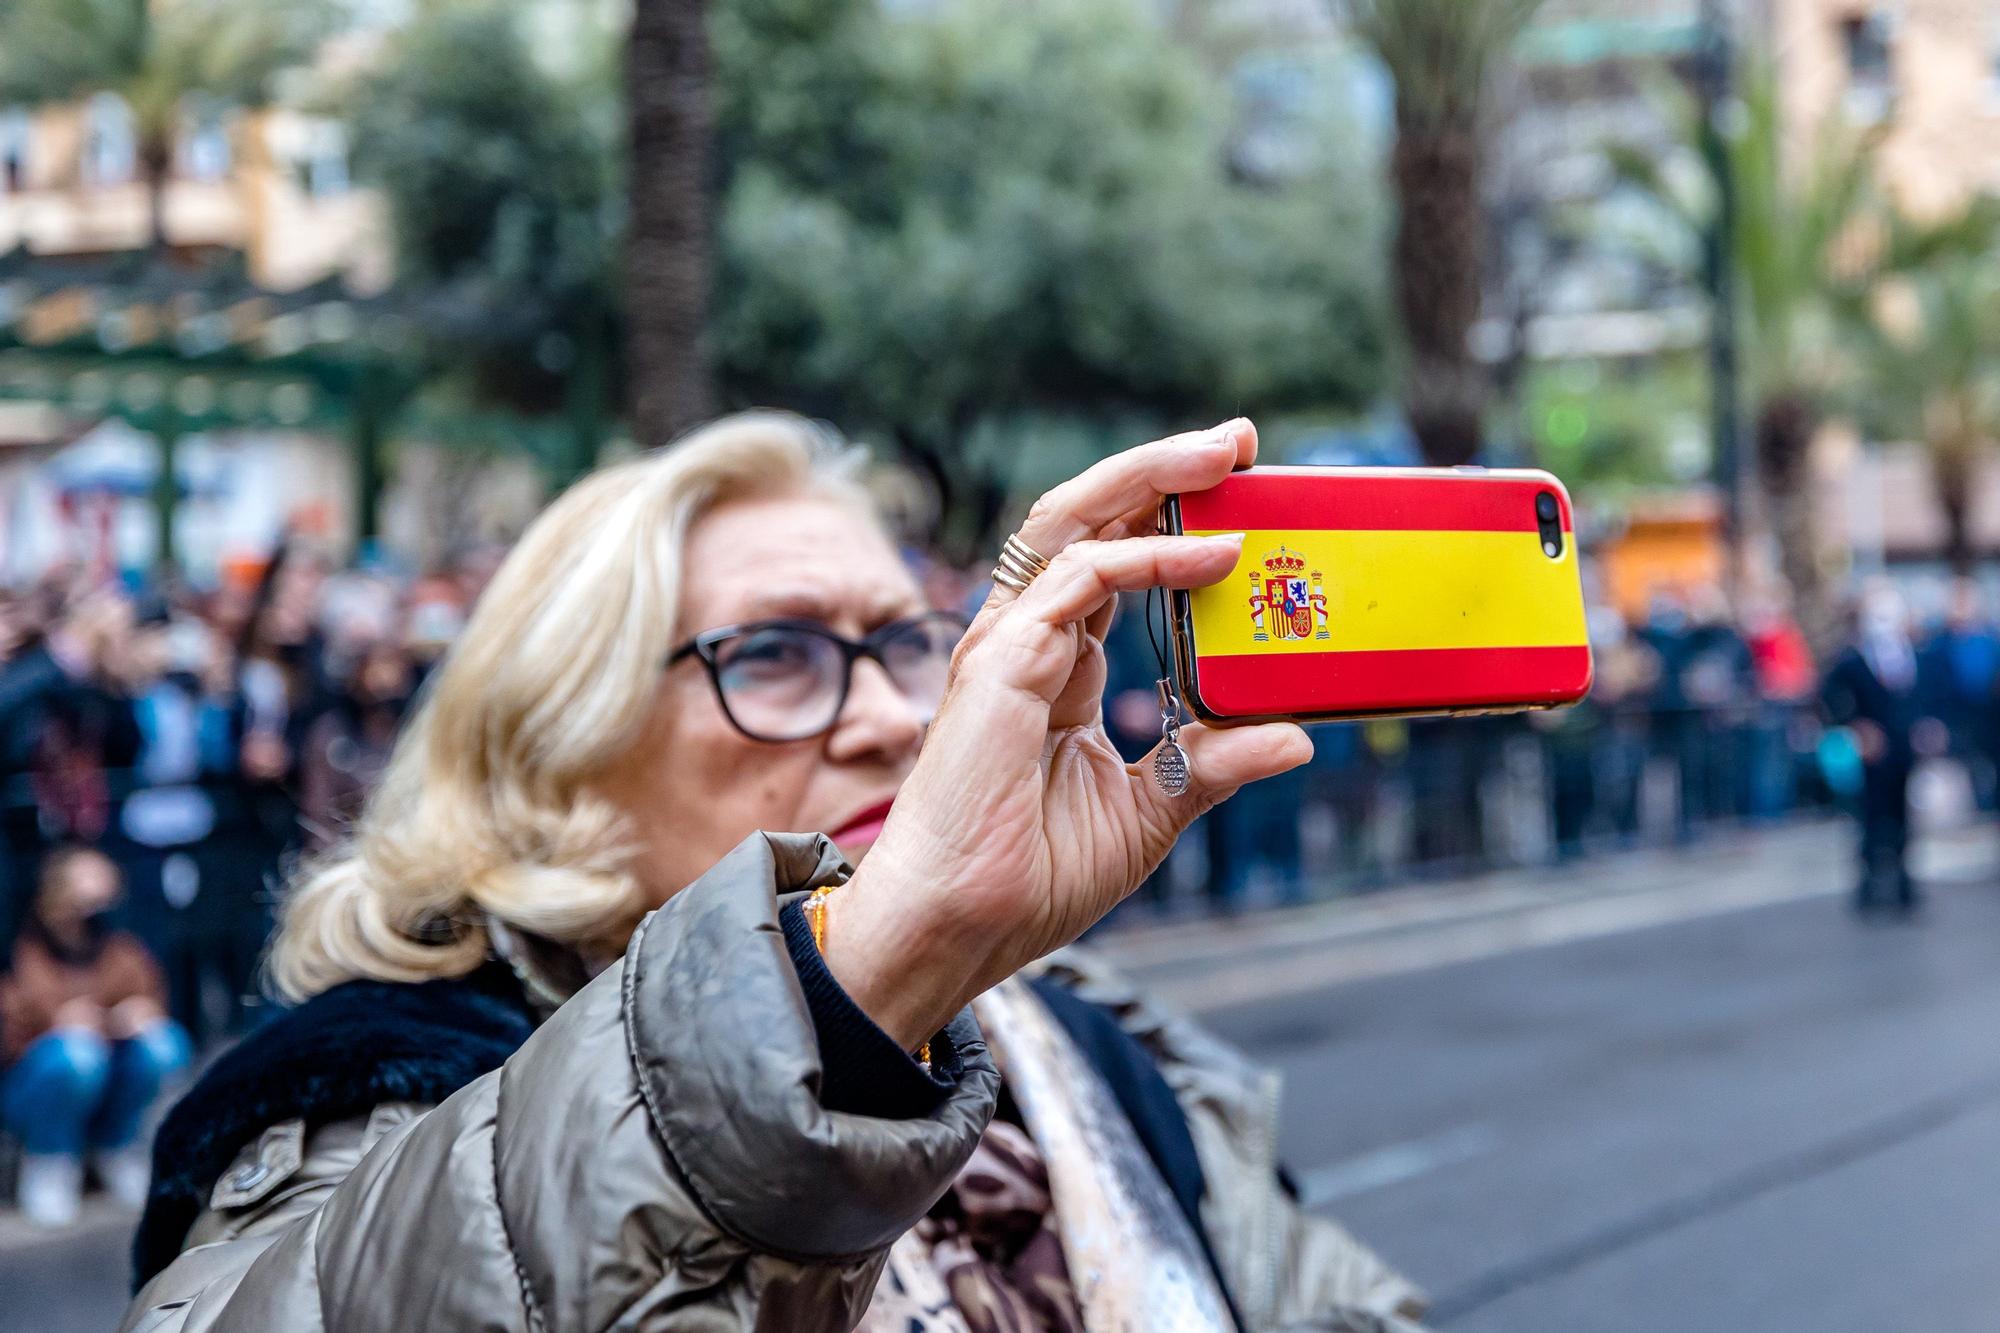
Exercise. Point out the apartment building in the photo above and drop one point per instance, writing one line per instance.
(272, 185)
(1925, 74)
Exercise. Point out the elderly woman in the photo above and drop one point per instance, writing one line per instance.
(599, 1031)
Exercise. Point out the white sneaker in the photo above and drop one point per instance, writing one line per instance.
(50, 1188)
(126, 1172)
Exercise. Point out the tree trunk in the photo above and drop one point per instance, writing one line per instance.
(1436, 269)
(1787, 421)
(1954, 450)
(156, 160)
(668, 251)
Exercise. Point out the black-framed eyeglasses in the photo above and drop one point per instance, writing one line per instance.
(787, 680)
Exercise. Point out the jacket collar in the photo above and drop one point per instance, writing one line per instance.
(340, 1053)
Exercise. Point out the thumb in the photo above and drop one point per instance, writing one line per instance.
(1220, 760)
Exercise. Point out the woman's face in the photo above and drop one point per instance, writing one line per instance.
(695, 786)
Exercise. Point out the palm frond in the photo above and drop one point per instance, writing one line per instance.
(54, 50)
(1439, 52)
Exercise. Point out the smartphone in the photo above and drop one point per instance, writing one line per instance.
(1380, 592)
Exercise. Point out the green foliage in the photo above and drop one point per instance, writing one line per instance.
(153, 53)
(1930, 353)
(501, 180)
(993, 233)
(1933, 331)
(1796, 299)
(990, 210)
(1607, 429)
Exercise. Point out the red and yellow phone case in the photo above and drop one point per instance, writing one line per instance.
(1377, 591)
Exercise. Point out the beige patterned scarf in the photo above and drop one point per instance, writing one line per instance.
(1064, 1227)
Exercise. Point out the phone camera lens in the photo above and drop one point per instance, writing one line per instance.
(1549, 525)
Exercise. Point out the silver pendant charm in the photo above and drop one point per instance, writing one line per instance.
(1170, 761)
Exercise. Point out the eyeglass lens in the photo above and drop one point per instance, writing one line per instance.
(786, 682)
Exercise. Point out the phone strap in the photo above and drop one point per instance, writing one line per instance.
(1170, 761)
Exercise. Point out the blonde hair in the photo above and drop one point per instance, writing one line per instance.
(485, 812)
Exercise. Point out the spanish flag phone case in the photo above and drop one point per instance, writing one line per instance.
(1366, 592)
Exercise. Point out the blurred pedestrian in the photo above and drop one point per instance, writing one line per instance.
(85, 1042)
(1626, 673)
(68, 732)
(1782, 669)
(1959, 667)
(1718, 683)
(347, 746)
(1596, 751)
(168, 830)
(1872, 690)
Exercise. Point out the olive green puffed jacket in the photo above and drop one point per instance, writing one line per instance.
(643, 1163)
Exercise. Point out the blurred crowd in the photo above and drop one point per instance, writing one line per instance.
(165, 750)
(1702, 714)
(199, 737)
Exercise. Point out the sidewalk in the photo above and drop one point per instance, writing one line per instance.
(68, 1280)
(1217, 963)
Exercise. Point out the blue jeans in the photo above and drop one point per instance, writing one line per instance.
(73, 1090)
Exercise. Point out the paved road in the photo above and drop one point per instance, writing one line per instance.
(1770, 1119)
(1662, 1093)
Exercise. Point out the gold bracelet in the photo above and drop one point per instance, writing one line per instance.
(815, 910)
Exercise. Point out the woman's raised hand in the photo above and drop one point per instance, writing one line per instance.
(1021, 825)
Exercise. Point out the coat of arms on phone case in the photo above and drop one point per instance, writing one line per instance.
(1285, 599)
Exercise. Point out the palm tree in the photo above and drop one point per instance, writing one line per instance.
(1932, 355)
(154, 55)
(1439, 53)
(669, 247)
(1800, 270)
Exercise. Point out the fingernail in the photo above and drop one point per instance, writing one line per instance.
(1235, 539)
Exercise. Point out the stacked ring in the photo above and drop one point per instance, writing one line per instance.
(1019, 565)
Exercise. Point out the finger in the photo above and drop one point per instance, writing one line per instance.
(1099, 619)
(1086, 574)
(1098, 623)
(1138, 523)
(1135, 479)
(1128, 484)
(1034, 643)
(1144, 522)
(1220, 761)
(1081, 700)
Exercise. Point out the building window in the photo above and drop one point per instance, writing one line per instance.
(204, 145)
(1866, 40)
(14, 127)
(325, 159)
(110, 142)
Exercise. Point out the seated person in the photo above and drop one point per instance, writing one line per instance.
(85, 1042)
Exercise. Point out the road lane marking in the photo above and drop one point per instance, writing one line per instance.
(1393, 1165)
